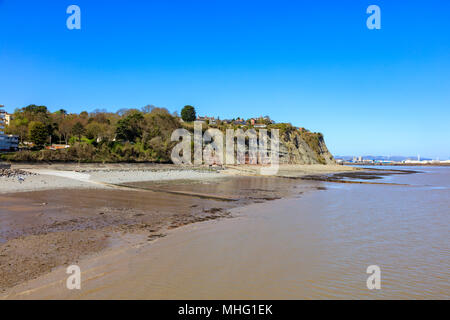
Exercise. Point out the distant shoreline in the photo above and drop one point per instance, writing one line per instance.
(399, 164)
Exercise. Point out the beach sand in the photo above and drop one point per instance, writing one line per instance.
(66, 214)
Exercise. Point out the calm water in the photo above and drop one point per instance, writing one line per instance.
(404, 230)
(319, 246)
(315, 246)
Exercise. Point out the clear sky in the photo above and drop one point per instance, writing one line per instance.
(312, 63)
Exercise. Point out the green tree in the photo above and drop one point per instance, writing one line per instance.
(130, 127)
(84, 115)
(19, 127)
(61, 112)
(188, 113)
(35, 113)
(78, 130)
(34, 109)
(94, 130)
(38, 133)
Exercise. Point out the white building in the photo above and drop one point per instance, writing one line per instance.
(8, 118)
(7, 142)
(2, 120)
(260, 126)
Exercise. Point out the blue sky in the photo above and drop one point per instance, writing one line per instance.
(312, 63)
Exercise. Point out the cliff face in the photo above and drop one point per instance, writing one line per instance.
(304, 148)
(301, 147)
(296, 146)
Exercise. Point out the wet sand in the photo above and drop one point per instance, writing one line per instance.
(116, 262)
(313, 244)
(42, 230)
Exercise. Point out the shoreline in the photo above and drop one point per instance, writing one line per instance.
(88, 176)
(398, 164)
(98, 267)
(213, 252)
(48, 225)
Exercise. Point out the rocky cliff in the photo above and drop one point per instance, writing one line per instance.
(304, 147)
(298, 146)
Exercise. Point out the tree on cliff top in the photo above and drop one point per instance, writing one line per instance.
(78, 130)
(130, 127)
(188, 113)
(38, 133)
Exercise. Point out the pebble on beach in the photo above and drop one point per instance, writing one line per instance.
(15, 173)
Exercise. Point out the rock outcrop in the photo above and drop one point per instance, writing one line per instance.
(297, 146)
(304, 147)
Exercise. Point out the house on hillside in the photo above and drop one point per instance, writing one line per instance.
(260, 126)
(240, 122)
(205, 119)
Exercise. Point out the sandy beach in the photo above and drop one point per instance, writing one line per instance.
(277, 239)
(57, 215)
(93, 177)
(165, 232)
(87, 176)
